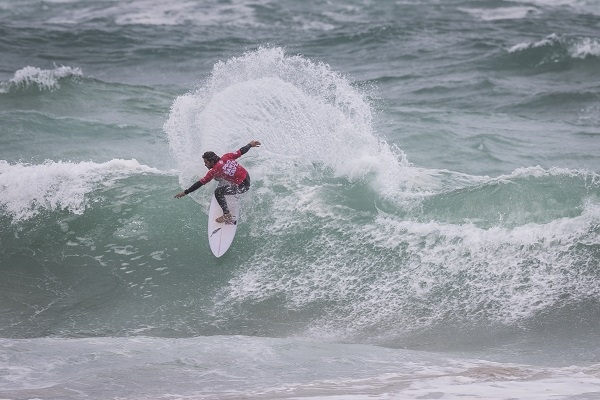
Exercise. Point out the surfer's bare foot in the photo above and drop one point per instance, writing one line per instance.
(227, 218)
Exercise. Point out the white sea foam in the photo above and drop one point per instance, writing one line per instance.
(43, 79)
(27, 189)
(233, 367)
(585, 47)
(478, 380)
(537, 172)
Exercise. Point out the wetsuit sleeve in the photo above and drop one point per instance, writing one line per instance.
(192, 188)
(245, 149)
(207, 178)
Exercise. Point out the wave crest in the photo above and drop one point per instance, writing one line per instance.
(556, 48)
(42, 79)
(28, 189)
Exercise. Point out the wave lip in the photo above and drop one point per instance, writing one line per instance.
(42, 79)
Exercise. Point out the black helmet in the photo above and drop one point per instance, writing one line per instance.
(211, 156)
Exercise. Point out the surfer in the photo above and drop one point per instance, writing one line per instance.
(224, 168)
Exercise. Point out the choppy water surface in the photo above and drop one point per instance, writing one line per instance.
(423, 221)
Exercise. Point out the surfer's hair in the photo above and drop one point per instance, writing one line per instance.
(211, 156)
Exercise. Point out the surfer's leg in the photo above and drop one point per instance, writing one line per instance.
(220, 193)
(244, 186)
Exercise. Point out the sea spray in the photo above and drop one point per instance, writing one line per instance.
(302, 111)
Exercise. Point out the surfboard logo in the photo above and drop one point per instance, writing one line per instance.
(215, 231)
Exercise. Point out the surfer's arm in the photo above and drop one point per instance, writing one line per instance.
(244, 150)
(193, 188)
(207, 178)
(189, 190)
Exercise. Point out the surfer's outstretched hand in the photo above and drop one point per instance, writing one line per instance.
(179, 195)
(254, 143)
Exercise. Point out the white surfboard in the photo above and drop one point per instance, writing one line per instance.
(220, 235)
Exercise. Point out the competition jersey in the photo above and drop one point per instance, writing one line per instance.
(227, 168)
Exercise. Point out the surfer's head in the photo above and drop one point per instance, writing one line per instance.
(210, 159)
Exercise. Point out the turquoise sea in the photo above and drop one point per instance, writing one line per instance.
(423, 222)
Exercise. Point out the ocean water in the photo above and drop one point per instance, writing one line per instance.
(423, 222)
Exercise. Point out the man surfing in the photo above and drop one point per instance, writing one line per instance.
(224, 168)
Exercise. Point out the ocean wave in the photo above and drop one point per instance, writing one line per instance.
(581, 6)
(558, 47)
(527, 195)
(58, 185)
(496, 14)
(41, 79)
(503, 251)
(538, 171)
(155, 12)
(317, 258)
(390, 277)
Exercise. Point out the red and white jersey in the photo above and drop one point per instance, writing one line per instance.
(227, 168)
